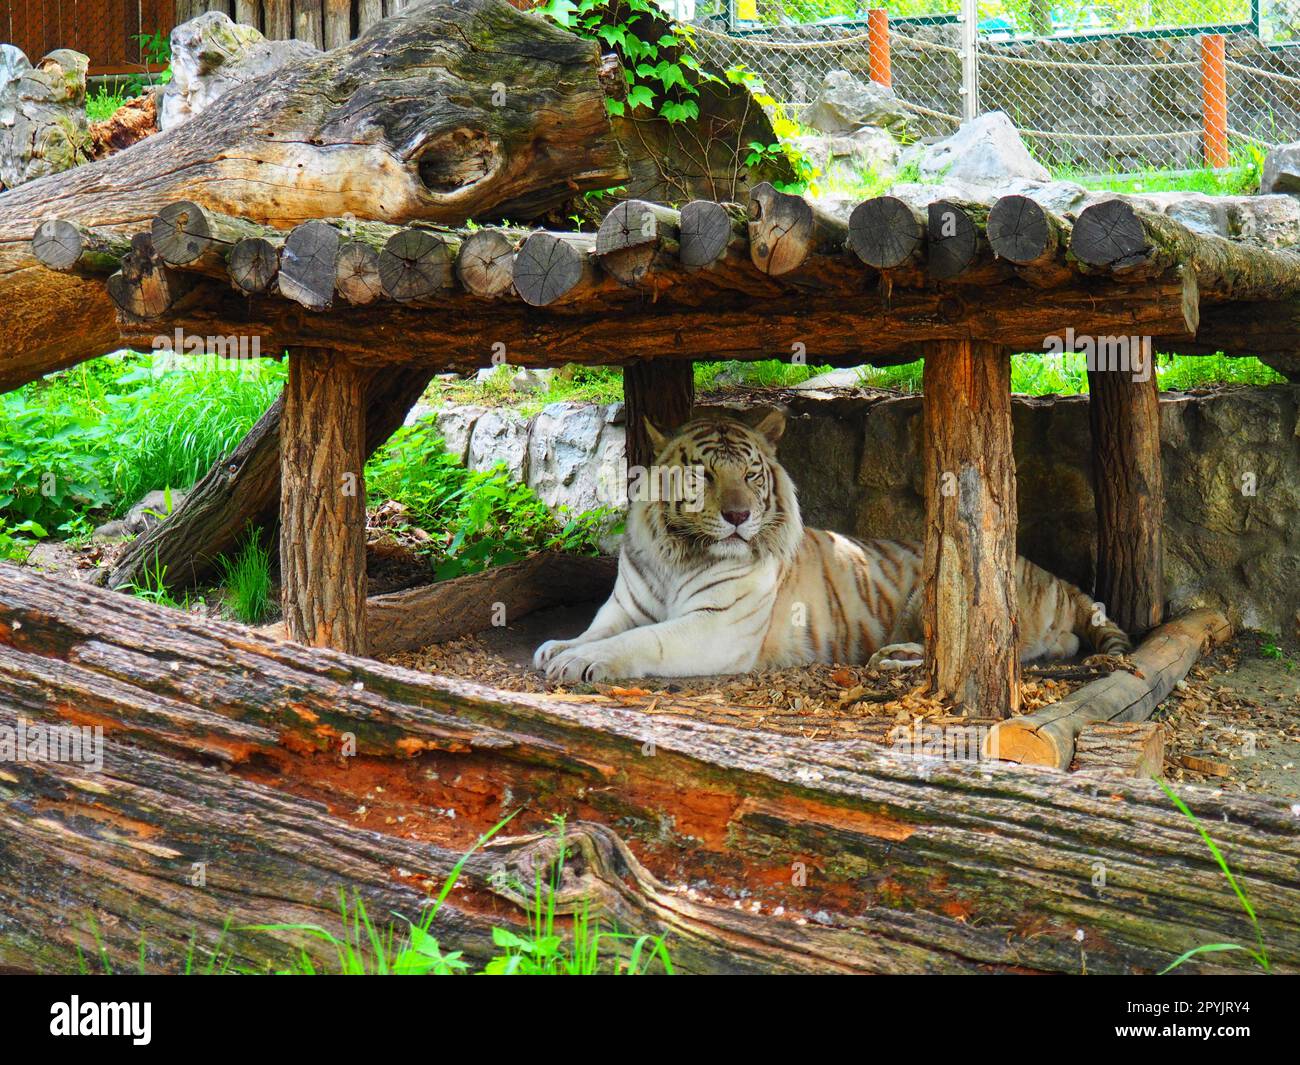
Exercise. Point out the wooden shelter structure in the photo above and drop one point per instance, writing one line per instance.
(915, 864)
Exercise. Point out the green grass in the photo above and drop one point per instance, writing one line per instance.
(1258, 953)
(1067, 374)
(103, 104)
(247, 579)
(92, 440)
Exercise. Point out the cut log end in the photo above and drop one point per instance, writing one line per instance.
(485, 265)
(357, 275)
(1108, 233)
(181, 233)
(780, 230)
(954, 240)
(58, 244)
(254, 263)
(885, 232)
(548, 268)
(1019, 230)
(706, 233)
(308, 265)
(415, 264)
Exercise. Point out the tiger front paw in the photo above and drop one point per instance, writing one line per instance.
(546, 652)
(898, 656)
(583, 665)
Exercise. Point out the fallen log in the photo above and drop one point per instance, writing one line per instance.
(434, 613)
(340, 773)
(1047, 736)
(1130, 748)
(401, 105)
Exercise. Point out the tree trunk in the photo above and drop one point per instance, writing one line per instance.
(340, 774)
(243, 489)
(661, 390)
(1128, 488)
(970, 606)
(323, 502)
(287, 148)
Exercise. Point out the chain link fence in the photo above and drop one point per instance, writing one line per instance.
(1115, 88)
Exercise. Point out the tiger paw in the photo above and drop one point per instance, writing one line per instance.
(579, 665)
(547, 651)
(897, 656)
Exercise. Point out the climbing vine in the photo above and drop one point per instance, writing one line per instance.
(663, 74)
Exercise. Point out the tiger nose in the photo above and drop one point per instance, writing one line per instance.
(736, 517)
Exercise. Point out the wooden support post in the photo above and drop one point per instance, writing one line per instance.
(309, 21)
(1128, 487)
(662, 390)
(878, 46)
(323, 502)
(277, 20)
(1214, 95)
(970, 604)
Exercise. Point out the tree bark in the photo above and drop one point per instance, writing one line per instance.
(1129, 492)
(323, 502)
(394, 105)
(1131, 749)
(661, 390)
(970, 602)
(340, 773)
(243, 489)
(1047, 736)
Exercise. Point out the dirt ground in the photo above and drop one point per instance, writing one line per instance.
(1233, 723)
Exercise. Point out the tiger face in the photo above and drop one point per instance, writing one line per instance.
(729, 497)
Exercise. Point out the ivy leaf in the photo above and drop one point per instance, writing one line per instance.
(616, 107)
(640, 96)
(612, 35)
(680, 112)
(560, 11)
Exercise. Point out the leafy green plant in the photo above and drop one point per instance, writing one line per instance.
(1259, 954)
(247, 577)
(476, 519)
(153, 586)
(14, 545)
(658, 57)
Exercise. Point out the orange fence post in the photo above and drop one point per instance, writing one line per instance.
(1214, 94)
(878, 45)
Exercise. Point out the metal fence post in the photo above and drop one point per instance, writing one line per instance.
(1214, 97)
(970, 60)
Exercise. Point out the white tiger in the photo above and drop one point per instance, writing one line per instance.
(730, 581)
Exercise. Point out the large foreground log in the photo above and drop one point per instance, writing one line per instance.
(342, 773)
(1047, 736)
(411, 105)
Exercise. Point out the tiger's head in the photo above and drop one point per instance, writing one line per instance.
(718, 493)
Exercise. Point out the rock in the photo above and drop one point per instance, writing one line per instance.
(848, 377)
(985, 151)
(210, 56)
(575, 455)
(500, 435)
(142, 517)
(1281, 170)
(43, 125)
(456, 427)
(848, 156)
(844, 104)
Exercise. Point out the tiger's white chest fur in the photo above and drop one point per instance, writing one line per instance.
(736, 584)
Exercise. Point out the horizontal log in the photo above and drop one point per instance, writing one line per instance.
(841, 836)
(1129, 748)
(1047, 736)
(185, 234)
(434, 613)
(71, 248)
(485, 262)
(1136, 244)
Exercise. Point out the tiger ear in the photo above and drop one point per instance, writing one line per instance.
(771, 427)
(657, 439)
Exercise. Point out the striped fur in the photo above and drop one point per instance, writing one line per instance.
(728, 580)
